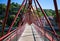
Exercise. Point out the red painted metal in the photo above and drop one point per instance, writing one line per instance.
(46, 17)
(46, 33)
(11, 38)
(41, 24)
(14, 31)
(28, 18)
(57, 14)
(3, 37)
(16, 16)
(6, 16)
(34, 12)
(25, 5)
(39, 20)
(29, 11)
(53, 33)
(19, 32)
(39, 15)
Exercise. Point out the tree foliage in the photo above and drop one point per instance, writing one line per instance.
(14, 7)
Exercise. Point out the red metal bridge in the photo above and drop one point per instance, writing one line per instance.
(30, 28)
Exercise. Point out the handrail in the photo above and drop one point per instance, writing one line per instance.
(17, 33)
(57, 36)
(3, 37)
(46, 34)
(7, 34)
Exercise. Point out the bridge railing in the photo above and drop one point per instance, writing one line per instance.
(5, 20)
(3, 37)
(47, 34)
(42, 30)
(13, 35)
(53, 32)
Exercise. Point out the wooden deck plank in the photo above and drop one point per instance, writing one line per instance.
(28, 34)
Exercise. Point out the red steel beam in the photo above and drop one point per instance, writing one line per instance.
(34, 16)
(38, 14)
(3, 37)
(46, 30)
(16, 16)
(41, 24)
(57, 14)
(57, 36)
(25, 5)
(46, 34)
(29, 11)
(18, 28)
(18, 33)
(6, 16)
(46, 17)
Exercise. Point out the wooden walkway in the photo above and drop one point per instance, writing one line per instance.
(30, 34)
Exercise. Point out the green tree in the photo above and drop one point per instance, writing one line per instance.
(2, 9)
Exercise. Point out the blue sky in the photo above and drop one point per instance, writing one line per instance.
(46, 4)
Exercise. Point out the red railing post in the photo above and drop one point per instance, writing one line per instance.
(6, 16)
